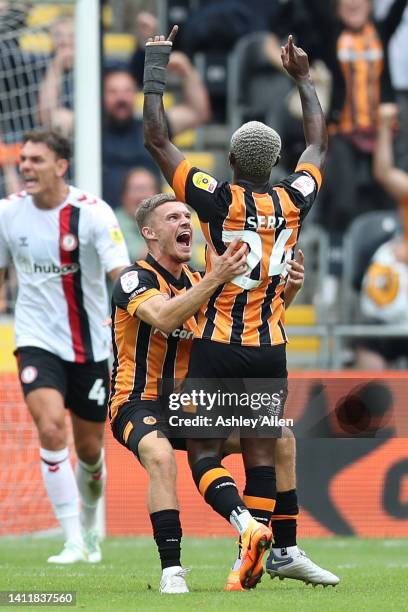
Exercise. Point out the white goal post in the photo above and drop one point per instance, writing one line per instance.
(88, 158)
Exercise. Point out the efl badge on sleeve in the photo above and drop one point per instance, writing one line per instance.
(116, 234)
(129, 281)
(204, 181)
(304, 184)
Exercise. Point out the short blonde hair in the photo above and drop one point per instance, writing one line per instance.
(256, 148)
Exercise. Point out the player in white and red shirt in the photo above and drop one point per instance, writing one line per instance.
(62, 243)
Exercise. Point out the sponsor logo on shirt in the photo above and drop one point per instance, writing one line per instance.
(50, 268)
(70, 268)
(204, 181)
(183, 334)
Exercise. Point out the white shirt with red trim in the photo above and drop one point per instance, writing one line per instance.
(61, 257)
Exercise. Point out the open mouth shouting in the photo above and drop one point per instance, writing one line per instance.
(184, 239)
(30, 182)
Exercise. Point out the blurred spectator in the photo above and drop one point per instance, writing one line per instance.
(354, 47)
(385, 285)
(9, 160)
(138, 185)
(123, 147)
(124, 12)
(56, 91)
(212, 29)
(146, 26)
(398, 53)
(384, 300)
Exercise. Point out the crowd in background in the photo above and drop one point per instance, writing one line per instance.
(359, 57)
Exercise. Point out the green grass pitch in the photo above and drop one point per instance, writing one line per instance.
(373, 576)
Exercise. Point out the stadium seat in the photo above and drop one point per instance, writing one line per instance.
(115, 45)
(43, 15)
(213, 68)
(202, 159)
(248, 74)
(306, 321)
(302, 349)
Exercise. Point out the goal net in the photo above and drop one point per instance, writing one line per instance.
(36, 76)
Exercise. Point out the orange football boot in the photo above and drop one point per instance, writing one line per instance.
(233, 582)
(255, 542)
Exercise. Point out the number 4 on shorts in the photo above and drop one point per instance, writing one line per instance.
(98, 392)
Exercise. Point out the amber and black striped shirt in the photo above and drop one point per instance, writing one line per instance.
(359, 63)
(361, 59)
(250, 309)
(143, 355)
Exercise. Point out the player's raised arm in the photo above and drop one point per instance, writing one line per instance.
(296, 63)
(156, 137)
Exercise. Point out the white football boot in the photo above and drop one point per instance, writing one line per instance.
(298, 566)
(91, 541)
(173, 580)
(71, 553)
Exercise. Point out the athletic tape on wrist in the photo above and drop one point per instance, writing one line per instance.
(155, 75)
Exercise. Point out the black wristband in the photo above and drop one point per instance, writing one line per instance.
(155, 74)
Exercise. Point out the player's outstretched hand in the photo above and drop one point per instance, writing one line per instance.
(296, 272)
(231, 263)
(158, 51)
(295, 60)
(162, 40)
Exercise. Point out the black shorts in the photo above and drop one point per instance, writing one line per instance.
(246, 371)
(136, 419)
(211, 359)
(84, 386)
